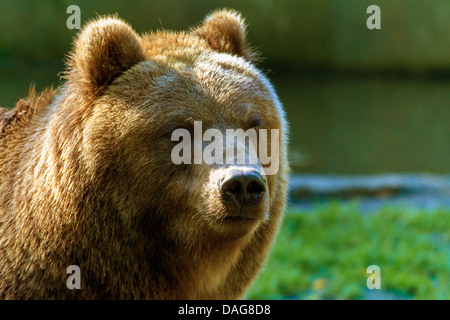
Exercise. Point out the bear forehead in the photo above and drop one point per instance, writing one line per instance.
(223, 77)
(191, 56)
(182, 75)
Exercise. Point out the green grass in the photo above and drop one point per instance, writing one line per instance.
(324, 254)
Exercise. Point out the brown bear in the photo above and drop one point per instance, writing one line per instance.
(87, 177)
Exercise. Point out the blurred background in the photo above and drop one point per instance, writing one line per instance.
(369, 112)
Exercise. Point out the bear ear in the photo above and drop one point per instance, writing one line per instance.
(103, 50)
(225, 31)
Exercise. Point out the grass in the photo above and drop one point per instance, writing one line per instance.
(324, 254)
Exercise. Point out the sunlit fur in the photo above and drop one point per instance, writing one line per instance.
(86, 177)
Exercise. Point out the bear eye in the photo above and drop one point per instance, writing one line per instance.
(171, 127)
(255, 122)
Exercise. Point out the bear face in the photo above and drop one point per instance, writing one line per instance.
(105, 189)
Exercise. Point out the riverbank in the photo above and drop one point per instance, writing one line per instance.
(418, 190)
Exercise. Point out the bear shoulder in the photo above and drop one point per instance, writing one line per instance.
(20, 116)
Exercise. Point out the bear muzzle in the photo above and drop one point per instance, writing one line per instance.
(242, 192)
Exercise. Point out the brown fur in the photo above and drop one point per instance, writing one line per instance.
(87, 179)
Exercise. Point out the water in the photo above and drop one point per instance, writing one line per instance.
(367, 125)
(339, 124)
(16, 76)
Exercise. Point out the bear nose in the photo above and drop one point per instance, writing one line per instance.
(243, 188)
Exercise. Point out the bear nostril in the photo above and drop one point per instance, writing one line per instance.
(231, 190)
(243, 188)
(234, 188)
(255, 191)
(255, 187)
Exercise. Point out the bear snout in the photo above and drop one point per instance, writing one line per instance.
(241, 189)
